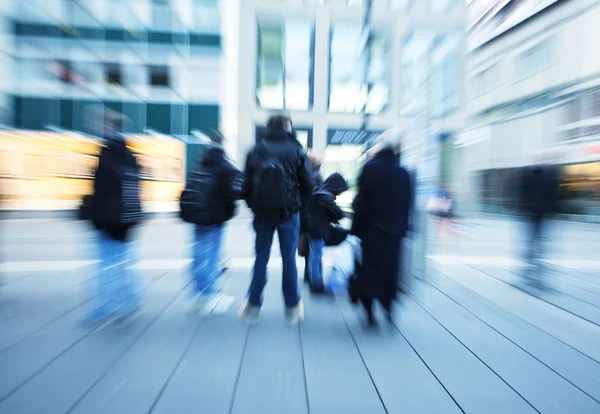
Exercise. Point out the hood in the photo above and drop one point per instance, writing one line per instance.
(213, 156)
(335, 184)
(116, 143)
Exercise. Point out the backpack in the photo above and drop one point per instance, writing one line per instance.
(270, 184)
(198, 201)
(131, 205)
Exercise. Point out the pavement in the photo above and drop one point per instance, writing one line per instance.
(472, 336)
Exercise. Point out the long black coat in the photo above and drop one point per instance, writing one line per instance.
(381, 220)
(106, 204)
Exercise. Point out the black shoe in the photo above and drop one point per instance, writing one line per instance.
(319, 290)
(372, 322)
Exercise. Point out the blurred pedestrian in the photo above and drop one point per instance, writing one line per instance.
(303, 242)
(322, 211)
(208, 201)
(539, 198)
(381, 213)
(115, 210)
(277, 185)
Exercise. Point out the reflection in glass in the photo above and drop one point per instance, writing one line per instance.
(378, 75)
(284, 65)
(347, 90)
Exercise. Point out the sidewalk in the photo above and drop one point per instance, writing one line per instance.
(471, 338)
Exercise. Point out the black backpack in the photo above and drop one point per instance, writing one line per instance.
(270, 184)
(198, 201)
(131, 205)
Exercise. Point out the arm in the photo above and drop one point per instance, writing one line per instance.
(334, 212)
(247, 179)
(305, 181)
(358, 205)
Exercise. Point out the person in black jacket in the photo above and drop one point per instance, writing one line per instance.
(208, 235)
(115, 210)
(322, 212)
(539, 197)
(381, 220)
(277, 184)
(303, 244)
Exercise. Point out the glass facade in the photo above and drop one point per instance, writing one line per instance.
(285, 65)
(350, 56)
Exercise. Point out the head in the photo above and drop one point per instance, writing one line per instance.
(335, 184)
(388, 141)
(279, 124)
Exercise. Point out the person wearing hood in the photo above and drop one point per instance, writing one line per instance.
(322, 213)
(277, 185)
(303, 246)
(115, 209)
(381, 220)
(208, 202)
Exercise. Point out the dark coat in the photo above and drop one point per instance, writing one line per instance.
(298, 173)
(381, 220)
(322, 209)
(539, 191)
(106, 203)
(229, 183)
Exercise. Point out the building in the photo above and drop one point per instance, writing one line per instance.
(158, 62)
(345, 70)
(533, 86)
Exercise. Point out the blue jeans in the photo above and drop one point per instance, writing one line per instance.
(315, 259)
(288, 242)
(116, 293)
(206, 266)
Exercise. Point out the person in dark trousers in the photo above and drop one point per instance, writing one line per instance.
(218, 185)
(381, 213)
(277, 185)
(539, 196)
(317, 178)
(322, 212)
(115, 209)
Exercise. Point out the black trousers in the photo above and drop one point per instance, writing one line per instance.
(368, 304)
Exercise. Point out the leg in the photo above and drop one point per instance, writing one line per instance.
(102, 284)
(288, 243)
(264, 240)
(125, 292)
(314, 263)
(368, 305)
(306, 276)
(205, 265)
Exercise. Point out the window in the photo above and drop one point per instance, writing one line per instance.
(378, 74)
(348, 91)
(535, 59)
(285, 65)
(113, 74)
(159, 76)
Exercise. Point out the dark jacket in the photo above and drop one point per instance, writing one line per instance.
(381, 220)
(229, 183)
(106, 203)
(539, 191)
(297, 171)
(322, 209)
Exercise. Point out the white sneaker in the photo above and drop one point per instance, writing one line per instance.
(248, 312)
(224, 304)
(296, 314)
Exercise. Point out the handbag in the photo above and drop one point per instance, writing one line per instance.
(303, 245)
